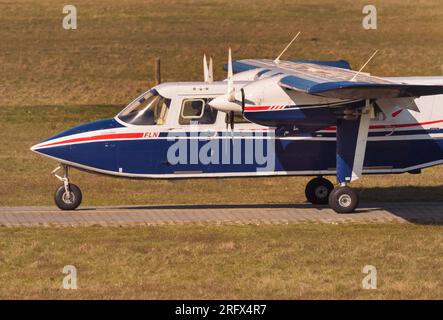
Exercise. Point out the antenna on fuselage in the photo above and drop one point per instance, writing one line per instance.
(359, 71)
(277, 60)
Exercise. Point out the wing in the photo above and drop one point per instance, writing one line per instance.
(250, 64)
(359, 90)
(334, 79)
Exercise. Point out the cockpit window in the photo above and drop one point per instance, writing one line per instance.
(148, 109)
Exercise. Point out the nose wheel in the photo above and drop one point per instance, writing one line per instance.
(68, 200)
(68, 196)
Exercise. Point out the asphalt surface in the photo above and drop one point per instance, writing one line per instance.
(414, 212)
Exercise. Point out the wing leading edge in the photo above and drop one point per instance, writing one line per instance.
(358, 89)
(332, 79)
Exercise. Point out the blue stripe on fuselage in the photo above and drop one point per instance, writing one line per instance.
(148, 156)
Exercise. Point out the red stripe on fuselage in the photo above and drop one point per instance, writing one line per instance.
(257, 108)
(137, 135)
(100, 137)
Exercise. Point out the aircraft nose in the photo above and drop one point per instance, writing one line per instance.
(84, 146)
(70, 134)
(42, 146)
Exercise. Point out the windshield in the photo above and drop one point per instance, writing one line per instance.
(149, 109)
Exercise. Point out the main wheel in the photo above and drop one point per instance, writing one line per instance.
(68, 201)
(343, 199)
(317, 190)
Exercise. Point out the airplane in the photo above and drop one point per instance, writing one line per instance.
(268, 118)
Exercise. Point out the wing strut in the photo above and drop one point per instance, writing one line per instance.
(352, 136)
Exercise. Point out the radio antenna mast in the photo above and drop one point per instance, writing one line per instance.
(277, 60)
(373, 55)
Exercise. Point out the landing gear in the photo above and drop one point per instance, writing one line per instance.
(68, 196)
(68, 200)
(343, 199)
(318, 189)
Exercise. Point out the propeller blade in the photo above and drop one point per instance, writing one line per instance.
(231, 93)
(205, 69)
(210, 71)
(242, 100)
(231, 120)
(227, 121)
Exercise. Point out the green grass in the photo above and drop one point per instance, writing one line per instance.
(109, 58)
(227, 262)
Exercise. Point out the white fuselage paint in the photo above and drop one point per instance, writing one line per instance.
(429, 116)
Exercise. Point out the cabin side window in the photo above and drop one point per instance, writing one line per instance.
(197, 111)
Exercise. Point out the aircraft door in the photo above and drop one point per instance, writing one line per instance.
(195, 128)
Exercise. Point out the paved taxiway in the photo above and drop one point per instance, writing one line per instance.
(416, 212)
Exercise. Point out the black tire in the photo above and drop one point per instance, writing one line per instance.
(317, 190)
(68, 203)
(343, 199)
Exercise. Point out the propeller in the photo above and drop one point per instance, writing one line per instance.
(242, 101)
(231, 120)
(227, 103)
(208, 72)
(231, 89)
(205, 68)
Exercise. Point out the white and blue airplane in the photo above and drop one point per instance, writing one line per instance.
(314, 118)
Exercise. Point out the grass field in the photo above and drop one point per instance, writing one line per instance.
(308, 261)
(53, 79)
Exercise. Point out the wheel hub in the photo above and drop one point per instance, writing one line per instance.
(68, 198)
(321, 192)
(344, 200)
